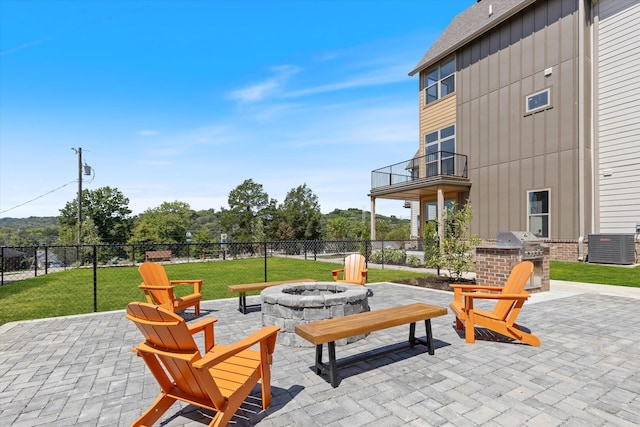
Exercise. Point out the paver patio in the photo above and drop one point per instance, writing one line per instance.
(80, 370)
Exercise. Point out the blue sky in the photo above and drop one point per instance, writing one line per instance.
(184, 100)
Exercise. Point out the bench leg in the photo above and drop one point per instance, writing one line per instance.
(333, 365)
(242, 301)
(429, 342)
(332, 368)
(412, 334)
(427, 325)
(318, 359)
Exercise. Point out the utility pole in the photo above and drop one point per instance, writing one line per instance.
(79, 153)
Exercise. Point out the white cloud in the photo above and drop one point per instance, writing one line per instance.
(269, 87)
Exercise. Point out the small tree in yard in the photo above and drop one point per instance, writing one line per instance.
(430, 244)
(455, 252)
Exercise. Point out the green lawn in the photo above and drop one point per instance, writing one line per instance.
(593, 273)
(71, 292)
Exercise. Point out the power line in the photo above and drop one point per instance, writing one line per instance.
(39, 197)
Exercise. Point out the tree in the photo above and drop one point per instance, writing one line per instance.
(167, 223)
(107, 208)
(339, 229)
(245, 219)
(455, 248)
(299, 215)
(206, 226)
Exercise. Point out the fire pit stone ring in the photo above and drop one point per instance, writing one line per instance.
(298, 303)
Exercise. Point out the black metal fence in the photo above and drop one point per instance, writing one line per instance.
(24, 262)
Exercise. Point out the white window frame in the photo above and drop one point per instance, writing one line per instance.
(546, 215)
(527, 110)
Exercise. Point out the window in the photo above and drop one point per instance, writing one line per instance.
(538, 101)
(538, 212)
(440, 80)
(439, 150)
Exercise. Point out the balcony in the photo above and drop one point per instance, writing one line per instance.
(421, 176)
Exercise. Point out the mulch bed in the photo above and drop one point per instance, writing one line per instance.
(434, 282)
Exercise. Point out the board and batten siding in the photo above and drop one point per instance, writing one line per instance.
(511, 152)
(618, 104)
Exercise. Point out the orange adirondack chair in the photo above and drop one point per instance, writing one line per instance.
(502, 319)
(158, 289)
(353, 271)
(219, 381)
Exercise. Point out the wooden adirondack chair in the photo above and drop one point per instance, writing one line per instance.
(159, 290)
(353, 271)
(219, 381)
(502, 319)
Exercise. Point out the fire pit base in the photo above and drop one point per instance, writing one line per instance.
(297, 303)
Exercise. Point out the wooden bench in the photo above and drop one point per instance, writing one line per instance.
(157, 256)
(331, 330)
(246, 287)
(214, 253)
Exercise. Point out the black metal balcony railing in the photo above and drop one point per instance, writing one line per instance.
(440, 163)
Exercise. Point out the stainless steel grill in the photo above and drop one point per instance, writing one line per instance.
(530, 250)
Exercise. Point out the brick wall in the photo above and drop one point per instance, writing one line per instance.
(494, 264)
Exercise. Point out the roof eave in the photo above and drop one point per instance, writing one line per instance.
(472, 37)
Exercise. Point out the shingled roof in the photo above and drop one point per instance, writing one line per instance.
(468, 25)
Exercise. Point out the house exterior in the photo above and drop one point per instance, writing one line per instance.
(530, 110)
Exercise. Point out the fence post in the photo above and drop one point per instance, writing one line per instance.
(264, 246)
(35, 261)
(46, 259)
(95, 279)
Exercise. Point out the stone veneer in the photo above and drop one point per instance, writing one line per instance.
(298, 303)
(494, 264)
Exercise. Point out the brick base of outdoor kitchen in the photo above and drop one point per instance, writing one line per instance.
(494, 264)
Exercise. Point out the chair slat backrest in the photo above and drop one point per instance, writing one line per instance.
(353, 267)
(168, 333)
(155, 275)
(516, 282)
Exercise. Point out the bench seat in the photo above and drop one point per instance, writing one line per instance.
(330, 330)
(157, 256)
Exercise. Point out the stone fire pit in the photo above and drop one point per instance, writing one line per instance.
(298, 303)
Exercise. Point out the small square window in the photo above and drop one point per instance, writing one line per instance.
(538, 101)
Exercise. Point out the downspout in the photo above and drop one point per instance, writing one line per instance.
(581, 130)
(595, 118)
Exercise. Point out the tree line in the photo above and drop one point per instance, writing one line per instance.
(251, 216)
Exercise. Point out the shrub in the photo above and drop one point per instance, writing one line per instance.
(413, 261)
(389, 256)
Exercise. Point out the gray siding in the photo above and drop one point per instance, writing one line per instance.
(510, 152)
(619, 112)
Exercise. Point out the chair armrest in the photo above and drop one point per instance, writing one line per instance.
(268, 333)
(478, 295)
(197, 284)
(336, 272)
(458, 289)
(475, 287)
(145, 348)
(206, 326)
(151, 288)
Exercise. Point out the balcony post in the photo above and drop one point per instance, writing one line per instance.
(373, 218)
(440, 213)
